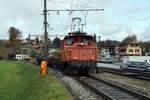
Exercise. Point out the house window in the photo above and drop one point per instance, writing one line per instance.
(136, 50)
(130, 50)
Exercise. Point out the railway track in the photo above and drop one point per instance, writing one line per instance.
(128, 73)
(110, 91)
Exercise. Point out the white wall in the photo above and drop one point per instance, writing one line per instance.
(136, 58)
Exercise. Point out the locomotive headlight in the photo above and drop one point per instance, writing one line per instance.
(81, 44)
(74, 58)
(92, 58)
(91, 52)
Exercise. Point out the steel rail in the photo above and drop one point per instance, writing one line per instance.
(145, 73)
(141, 96)
(135, 75)
(93, 89)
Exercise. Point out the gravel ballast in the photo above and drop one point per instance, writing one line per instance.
(134, 84)
(78, 91)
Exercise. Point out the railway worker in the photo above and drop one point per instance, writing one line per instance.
(43, 66)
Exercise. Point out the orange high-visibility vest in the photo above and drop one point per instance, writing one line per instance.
(43, 64)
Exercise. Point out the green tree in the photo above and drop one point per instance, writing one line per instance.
(37, 40)
(130, 39)
(145, 47)
(57, 42)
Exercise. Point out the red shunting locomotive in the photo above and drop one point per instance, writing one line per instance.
(79, 52)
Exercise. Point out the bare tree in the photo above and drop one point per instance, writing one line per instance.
(14, 34)
(14, 38)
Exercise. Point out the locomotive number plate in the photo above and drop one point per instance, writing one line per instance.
(83, 55)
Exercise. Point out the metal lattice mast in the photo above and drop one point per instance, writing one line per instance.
(45, 31)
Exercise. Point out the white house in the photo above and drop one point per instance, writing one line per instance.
(20, 56)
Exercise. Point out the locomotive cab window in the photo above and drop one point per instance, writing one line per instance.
(87, 41)
(70, 41)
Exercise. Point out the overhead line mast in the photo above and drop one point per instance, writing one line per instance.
(45, 31)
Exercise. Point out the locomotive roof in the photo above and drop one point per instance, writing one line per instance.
(78, 34)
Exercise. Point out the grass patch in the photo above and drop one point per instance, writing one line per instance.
(20, 81)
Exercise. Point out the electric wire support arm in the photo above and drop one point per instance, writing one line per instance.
(75, 10)
(78, 10)
(46, 23)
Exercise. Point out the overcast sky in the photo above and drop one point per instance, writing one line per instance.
(119, 19)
